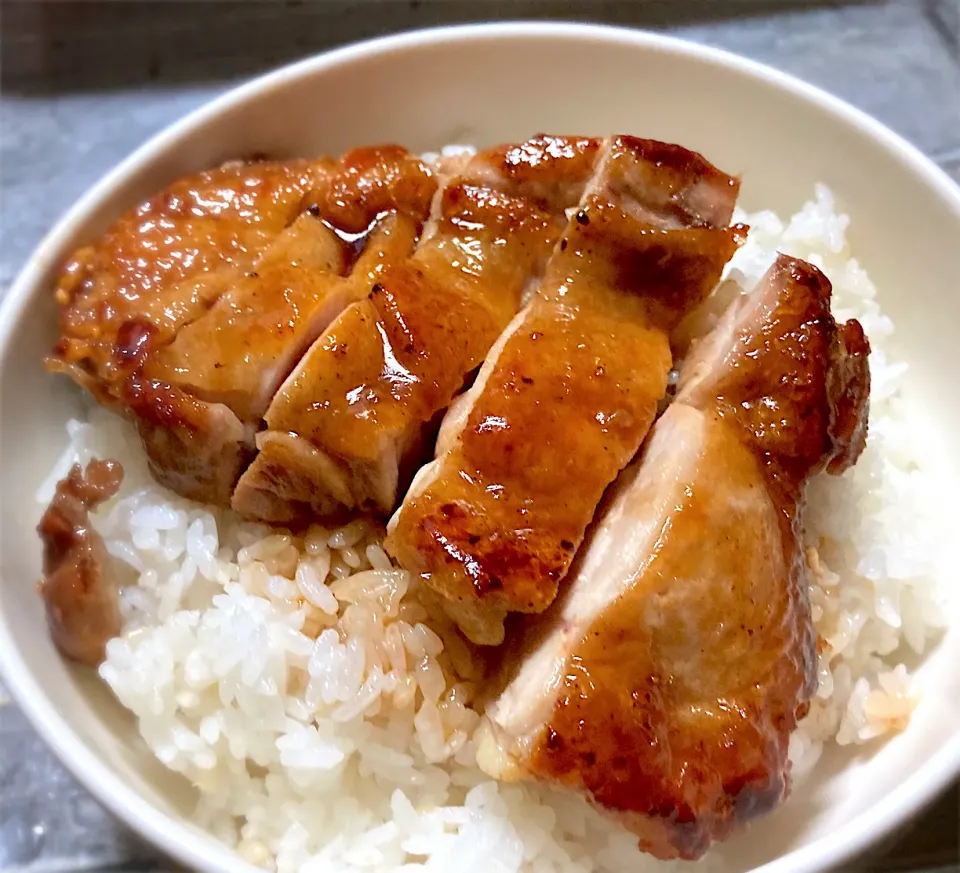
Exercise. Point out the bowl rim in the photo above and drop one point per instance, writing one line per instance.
(201, 851)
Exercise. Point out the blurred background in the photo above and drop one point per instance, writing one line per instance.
(82, 84)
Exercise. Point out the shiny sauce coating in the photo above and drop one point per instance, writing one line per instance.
(570, 396)
(364, 392)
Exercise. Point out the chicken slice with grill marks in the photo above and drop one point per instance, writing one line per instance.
(198, 401)
(165, 262)
(348, 425)
(569, 391)
(665, 684)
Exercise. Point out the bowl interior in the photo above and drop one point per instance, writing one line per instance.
(481, 86)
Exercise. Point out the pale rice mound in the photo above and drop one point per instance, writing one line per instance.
(297, 682)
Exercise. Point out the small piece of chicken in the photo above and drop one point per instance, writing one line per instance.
(194, 448)
(551, 171)
(347, 428)
(665, 684)
(81, 602)
(167, 261)
(570, 390)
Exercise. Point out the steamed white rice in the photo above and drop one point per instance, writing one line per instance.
(325, 718)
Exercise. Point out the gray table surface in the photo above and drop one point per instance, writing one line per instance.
(83, 84)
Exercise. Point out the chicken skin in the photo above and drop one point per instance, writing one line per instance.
(665, 683)
(679, 188)
(570, 390)
(551, 171)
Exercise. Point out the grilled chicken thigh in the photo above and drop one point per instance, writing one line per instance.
(664, 685)
(568, 393)
(230, 362)
(344, 426)
(194, 307)
(348, 426)
(167, 261)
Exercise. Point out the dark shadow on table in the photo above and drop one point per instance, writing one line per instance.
(54, 47)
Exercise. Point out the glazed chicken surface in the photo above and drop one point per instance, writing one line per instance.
(308, 296)
(233, 359)
(665, 684)
(349, 425)
(569, 391)
(191, 309)
(165, 262)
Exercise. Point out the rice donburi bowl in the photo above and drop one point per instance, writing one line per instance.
(282, 671)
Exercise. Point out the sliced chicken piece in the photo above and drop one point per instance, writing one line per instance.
(168, 260)
(552, 171)
(679, 188)
(232, 352)
(776, 351)
(199, 401)
(80, 599)
(665, 684)
(346, 427)
(163, 261)
(567, 394)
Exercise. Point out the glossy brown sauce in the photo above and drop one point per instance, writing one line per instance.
(353, 243)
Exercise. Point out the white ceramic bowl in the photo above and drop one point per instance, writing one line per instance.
(481, 85)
